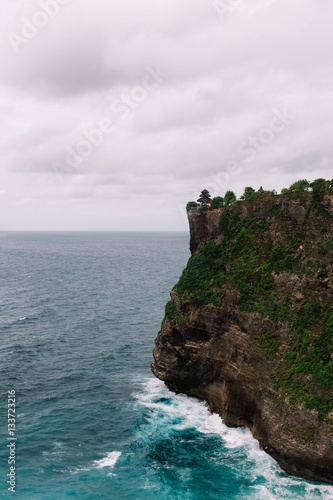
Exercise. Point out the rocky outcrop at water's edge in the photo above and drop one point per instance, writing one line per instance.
(251, 332)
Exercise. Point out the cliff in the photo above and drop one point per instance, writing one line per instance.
(249, 327)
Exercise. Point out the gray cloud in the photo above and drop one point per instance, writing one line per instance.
(89, 129)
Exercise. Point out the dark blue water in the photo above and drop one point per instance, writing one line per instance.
(79, 315)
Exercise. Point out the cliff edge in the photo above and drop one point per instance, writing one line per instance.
(249, 327)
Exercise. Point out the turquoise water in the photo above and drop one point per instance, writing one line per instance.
(79, 315)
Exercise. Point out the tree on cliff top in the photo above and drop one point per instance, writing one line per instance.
(248, 192)
(229, 198)
(191, 204)
(217, 202)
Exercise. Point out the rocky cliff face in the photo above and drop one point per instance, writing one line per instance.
(249, 327)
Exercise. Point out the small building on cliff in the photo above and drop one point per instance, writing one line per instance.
(205, 198)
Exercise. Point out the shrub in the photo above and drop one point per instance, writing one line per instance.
(229, 198)
(300, 186)
(171, 313)
(200, 270)
(212, 250)
(248, 192)
(190, 205)
(275, 209)
(230, 223)
(203, 207)
(170, 309)
(318, 191)
(206, 297)
(217, 202)
(325, 248)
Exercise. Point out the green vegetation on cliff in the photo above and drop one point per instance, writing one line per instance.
(282, 268)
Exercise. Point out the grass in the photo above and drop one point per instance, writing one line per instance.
(171, 313)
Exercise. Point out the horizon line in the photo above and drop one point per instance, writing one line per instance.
(88, 231)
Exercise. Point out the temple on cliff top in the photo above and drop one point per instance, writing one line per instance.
(205, 198)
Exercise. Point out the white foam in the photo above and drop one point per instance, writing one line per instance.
(80, 469)
(188, 412)
(56, 450)
(185, 412)
(180, 412)
(109, 461)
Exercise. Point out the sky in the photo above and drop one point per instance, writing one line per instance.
(115, 114)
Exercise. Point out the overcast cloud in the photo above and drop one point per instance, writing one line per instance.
(115, 114)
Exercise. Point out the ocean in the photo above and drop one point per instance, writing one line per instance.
(79, 315)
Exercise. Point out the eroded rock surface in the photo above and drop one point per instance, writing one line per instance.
(214, 352)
